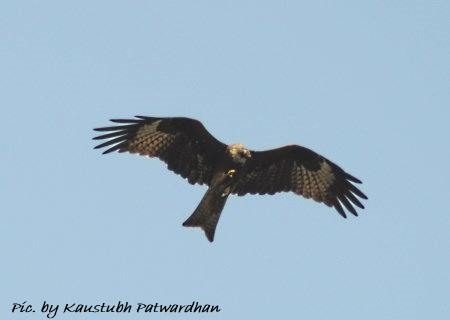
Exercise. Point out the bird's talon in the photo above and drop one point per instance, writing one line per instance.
(231, 173)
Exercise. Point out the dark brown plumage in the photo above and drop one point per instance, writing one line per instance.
(192, 152)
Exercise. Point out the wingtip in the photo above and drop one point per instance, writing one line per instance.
(343, 215)
(340, 210)
(107, 151)
(352, 178)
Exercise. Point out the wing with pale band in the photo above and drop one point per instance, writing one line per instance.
(304, 172)
(184, 144)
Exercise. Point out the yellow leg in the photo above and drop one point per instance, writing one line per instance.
(231, 173)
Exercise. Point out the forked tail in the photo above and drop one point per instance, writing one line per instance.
(208, 211)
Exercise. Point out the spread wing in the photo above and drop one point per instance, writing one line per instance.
(184, 144)
(306, 173)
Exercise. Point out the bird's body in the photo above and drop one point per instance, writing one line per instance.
(225, 178)
(191, 151)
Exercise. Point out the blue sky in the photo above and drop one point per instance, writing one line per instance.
(365, 83)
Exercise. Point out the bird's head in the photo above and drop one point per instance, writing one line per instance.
(239, 153)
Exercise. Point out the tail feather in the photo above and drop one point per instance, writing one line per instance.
(207, 213)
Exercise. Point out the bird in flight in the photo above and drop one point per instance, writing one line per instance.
(191, 151)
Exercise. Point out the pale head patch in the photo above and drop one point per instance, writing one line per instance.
(239, 153)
